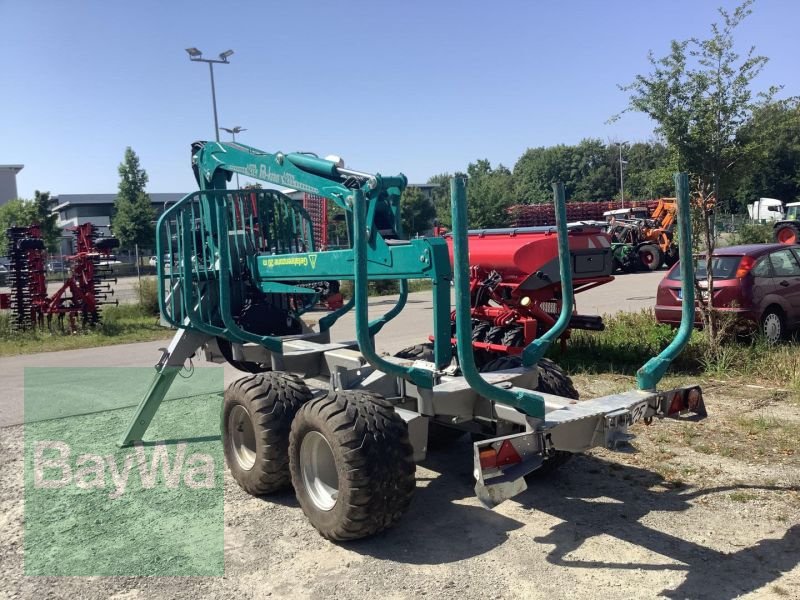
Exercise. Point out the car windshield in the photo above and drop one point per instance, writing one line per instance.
(722, 267)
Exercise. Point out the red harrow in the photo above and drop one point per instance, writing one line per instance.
(81, 294)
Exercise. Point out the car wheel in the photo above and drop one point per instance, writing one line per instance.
(773, 325)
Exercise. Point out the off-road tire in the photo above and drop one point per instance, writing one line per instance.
(552, 380)
(787, 233)
(514, 337)
(480, 329)
(417, 352)
(373, 460)
(271, 401)
(495, 335)
(650, 256)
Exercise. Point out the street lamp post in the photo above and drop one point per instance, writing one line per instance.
(196, 55)
(233, 131)
(622, 163)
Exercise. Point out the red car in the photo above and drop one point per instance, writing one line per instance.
(759, 282)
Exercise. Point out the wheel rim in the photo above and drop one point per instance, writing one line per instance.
(772, 327)
(242, 437)
(647, 257)
(787, 235)
(318, 468)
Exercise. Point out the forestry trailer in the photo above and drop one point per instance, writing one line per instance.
(335, 420)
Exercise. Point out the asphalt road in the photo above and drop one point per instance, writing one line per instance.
(629, 292)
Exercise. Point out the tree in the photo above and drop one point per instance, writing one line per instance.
(15, 213)
(24, 213)
(441, 198)
(416, 212)
(587, 171)
(490, 191)
(648, 173)
(133, 212)
(700, 97)
(46, 220)
(773, 169)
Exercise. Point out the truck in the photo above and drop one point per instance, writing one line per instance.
(766, 210)
(333, 419)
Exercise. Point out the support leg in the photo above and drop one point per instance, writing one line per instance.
(183, 345)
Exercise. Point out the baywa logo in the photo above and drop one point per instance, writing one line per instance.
(55, 466)
(95, 509)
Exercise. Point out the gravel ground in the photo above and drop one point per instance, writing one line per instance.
(689, 512)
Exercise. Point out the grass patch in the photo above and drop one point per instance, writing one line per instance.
(121, 324)
(630, 339)
(742, 497)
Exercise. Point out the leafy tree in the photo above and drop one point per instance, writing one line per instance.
(416, 212)
(490, 191)
(700, 97)
(441, 198)
(587, 171)
(133, 212)
(15, 213)
(773, 168)
(648, 173)
(46, 220)
(23, 213)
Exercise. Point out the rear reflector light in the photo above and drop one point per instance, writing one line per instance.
(745, 266)
(507, 455)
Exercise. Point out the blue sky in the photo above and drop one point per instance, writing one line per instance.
(415, 87)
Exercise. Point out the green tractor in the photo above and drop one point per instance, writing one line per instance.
(787, 230)
(333, 419)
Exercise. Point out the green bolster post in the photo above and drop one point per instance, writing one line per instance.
(534, 351)
(528, 402)
(653, 370)
(420, 377)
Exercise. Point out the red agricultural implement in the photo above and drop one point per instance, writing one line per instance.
(80, 296)
(515, 284)
(533, 215)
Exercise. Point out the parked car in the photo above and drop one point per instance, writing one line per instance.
(56, 266)
(759, 283)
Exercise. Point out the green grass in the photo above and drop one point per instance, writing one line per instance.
(120, 325)
(630, 339)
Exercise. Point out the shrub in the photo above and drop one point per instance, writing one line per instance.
(147, 290)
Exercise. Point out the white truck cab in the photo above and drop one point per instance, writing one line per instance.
(766, 209)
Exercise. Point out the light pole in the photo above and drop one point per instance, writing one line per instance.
(196, 55)
(622, 163)
(233, 131)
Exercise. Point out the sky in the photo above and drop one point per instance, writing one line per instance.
(419, 87)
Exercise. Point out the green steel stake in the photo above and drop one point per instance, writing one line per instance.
(534, 351)
(528, 402)
(653, 370)
(420, 377)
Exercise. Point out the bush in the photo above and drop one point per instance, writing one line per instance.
(754, 233)
(147, 290)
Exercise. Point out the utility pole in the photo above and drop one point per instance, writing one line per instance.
(233, 131)
(196, 55)
(622, 164)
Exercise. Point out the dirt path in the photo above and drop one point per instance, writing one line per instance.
(695, 510)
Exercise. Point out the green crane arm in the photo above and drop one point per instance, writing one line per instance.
(215, 162)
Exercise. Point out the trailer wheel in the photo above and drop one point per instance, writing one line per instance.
(552, 380)
(351, 464)
(650, 256)
(257, 416)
